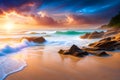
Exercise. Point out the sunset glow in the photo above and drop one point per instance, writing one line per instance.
(13, 20)
(9, 26)
(56, 13)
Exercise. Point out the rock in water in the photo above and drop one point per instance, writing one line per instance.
(93, 35)
(35, 39)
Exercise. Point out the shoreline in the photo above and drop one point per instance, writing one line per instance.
(12, 73)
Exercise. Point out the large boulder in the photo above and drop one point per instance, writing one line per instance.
(75, 51)
(35, 39)
(93, 35)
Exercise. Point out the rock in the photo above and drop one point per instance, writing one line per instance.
(99, 53)
(65, 52)
(111, 32)
(85, 36)
(35, 39)
(34, 33)
(102, 54)
(117, 47)
(109, 44)
(91, 49)
(96, 35)
(74, 48)
(117, 37)
(61, 51)
(109, 39)
(106, 39)
(93, 35)
(108, 33)
(75, 51)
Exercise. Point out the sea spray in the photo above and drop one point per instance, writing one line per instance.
(17, 47)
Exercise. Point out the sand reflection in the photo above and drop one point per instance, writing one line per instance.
(46, 64)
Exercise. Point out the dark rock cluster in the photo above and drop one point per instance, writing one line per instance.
(94, 35)
(108, 44)
(76, 51)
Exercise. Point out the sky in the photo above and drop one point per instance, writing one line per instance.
(58, 13)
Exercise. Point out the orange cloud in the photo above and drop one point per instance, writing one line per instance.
(42, 18)
(28, 20)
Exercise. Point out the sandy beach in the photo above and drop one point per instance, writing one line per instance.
(53, 66)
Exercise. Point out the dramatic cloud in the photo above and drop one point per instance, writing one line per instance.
(82, 19)
(45, 20)
(64, 12)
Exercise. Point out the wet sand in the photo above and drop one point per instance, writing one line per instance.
(52, 66)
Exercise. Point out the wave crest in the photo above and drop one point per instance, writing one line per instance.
(11, 49)
(69, 32)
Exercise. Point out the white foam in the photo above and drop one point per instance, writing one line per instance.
(11, 64)
(14, 62)
(16, 47)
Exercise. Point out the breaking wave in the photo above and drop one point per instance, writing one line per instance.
(14, 62)
(15, 48)
(69, 32)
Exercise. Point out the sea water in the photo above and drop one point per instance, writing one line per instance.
(12, 52)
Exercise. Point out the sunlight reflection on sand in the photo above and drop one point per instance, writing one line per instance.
(50, 65)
